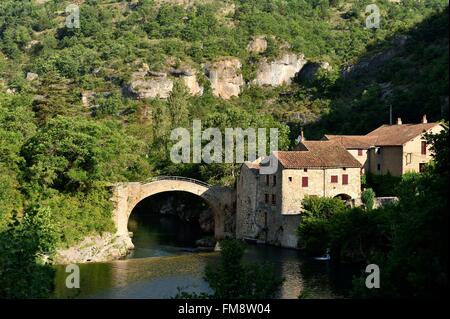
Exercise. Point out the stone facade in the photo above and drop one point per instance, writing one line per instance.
(269, 207)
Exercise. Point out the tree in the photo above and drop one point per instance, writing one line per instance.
(23, 271)
(75, 154)
(368, 198)
(178, 105)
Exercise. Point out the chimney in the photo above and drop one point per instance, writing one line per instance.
(399, 121)
(424, 119)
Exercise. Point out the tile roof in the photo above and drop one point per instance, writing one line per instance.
(385, 135)
(317, 154)
(353, 141)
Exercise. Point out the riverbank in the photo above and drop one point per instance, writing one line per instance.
(99, 248)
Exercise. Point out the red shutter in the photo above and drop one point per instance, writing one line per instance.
(334, 178)
(305, 181)
(345, 179)
(424, 148)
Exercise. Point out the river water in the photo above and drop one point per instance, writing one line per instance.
(164, 261)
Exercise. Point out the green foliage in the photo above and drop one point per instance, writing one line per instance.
(74, 154)
(322, 207)
(313, 231)
(383, 185)
(313, 236)
(368, 198)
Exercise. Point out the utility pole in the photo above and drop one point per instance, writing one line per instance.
(390, 114)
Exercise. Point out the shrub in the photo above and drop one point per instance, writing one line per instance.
(368, 198)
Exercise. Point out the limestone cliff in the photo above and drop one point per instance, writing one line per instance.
(224, 75)
(280, 71)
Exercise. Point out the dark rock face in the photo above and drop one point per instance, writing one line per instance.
(310, 71)
(371, 64)
(187, 210)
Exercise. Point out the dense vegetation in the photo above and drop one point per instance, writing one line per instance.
(61, 156)
(407, 240)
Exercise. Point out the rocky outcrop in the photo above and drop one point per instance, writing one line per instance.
(88, 97)
(280, 71)
(100, 248)
(257, 45)
(146, 84)
(31, 76)
(226, 80)
(189, 78)
(311, 69)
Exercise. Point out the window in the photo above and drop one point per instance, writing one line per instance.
(424, 148)
(360, 152)
(422, 167)
(378, 167)
(274, 181)
(290, 178)
(305, 170)
(305, 181)
(274, 199)
(266, 198)
(345, 179)
(267, 179)
(334, 178)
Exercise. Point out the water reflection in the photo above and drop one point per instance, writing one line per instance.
(161, 264)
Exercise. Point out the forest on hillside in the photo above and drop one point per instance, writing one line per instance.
(58, 154)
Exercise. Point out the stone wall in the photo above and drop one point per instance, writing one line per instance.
(319, 184)
(276, 222)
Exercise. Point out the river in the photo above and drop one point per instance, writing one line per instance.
(163, 262)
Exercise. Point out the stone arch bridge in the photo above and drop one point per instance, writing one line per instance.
(221, 200)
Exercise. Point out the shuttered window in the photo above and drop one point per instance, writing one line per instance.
(334, 179)
(345, 179)
(305, 181)
(424, 148)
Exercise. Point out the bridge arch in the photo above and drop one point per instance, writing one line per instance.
(127, 195)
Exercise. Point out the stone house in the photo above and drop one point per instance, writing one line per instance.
(269, 206)
(394, 149)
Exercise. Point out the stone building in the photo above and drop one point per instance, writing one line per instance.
(269, 207)
(395, 149)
